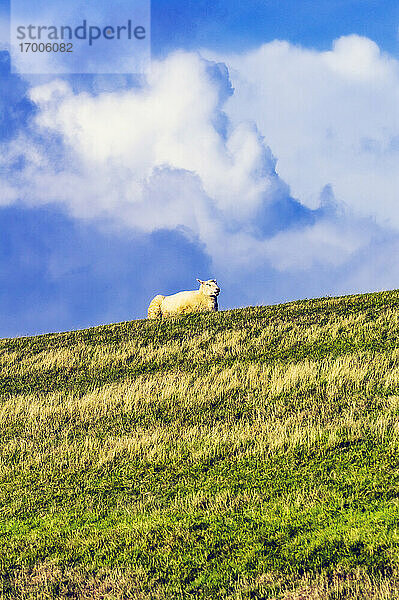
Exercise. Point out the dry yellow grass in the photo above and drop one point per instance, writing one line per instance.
(266, 391)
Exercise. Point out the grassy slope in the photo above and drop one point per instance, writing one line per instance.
(229, 455)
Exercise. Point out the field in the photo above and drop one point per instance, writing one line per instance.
(251, 453)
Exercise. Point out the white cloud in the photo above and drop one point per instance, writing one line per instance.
(166, 156)
(330, 118)
(169, 122)
(328, 242)
(151, 157)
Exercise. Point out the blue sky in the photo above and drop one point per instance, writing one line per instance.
(233, 25)
(261, 150)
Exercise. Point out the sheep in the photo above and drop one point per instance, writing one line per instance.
(204, 299)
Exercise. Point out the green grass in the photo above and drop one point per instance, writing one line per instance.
(251, 453)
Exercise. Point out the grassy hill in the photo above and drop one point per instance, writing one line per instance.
(251, 453)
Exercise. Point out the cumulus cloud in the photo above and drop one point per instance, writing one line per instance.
(172, 123)
(164, 155)
(194, 150)
(330, 117)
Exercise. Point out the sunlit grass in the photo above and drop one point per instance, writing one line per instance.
(243, 454)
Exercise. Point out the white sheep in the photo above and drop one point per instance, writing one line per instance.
(204, 299)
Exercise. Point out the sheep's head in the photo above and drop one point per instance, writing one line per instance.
(210, 287)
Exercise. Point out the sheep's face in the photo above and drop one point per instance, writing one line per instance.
(210, 287)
